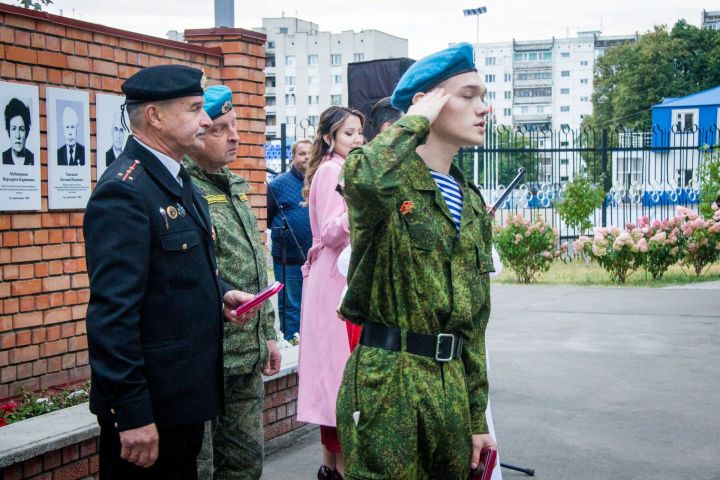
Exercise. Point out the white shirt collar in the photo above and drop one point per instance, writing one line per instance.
(172, 166)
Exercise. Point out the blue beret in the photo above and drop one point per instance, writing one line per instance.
(427, 72)
(218, 101)
(164, 82)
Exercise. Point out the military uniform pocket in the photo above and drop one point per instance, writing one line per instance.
(421, 236)
(181, 241)
(484, 261)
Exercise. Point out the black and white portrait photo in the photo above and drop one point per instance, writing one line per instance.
(69, 170)
(20, 147)
(111, 132)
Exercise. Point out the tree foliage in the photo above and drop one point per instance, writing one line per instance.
(631, 77)
(35, 5)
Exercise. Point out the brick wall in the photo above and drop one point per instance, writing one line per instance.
(44, 285)
(80, 460)
(74, 462)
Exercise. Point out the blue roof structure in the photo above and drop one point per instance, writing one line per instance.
(699, 99)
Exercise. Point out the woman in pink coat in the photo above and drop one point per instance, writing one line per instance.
(324, 346)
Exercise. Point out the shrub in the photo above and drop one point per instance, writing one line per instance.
(709, 179)
(527, 248)
(702, 238)
(580, 198)
(617, 251)
(663, 245)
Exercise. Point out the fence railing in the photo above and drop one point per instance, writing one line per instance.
(646, 173)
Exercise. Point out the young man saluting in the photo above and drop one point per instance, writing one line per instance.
(413, 399)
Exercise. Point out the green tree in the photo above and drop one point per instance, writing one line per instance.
(35, 5)
(632, 77)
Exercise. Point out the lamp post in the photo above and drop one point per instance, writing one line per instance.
(468, 12)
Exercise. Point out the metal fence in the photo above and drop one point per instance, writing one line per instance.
(642, 173)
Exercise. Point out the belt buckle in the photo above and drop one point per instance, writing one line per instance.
(438, 344)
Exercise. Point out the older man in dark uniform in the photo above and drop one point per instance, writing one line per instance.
(155, 317)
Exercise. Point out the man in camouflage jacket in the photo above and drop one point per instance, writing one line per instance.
(405, 413)
(233, 447)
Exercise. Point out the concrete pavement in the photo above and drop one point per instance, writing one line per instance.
(594, 384)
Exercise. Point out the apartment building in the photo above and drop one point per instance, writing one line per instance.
(306, 70)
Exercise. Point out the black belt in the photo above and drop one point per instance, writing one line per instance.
(443, 347)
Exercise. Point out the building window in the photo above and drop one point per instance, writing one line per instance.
(270, 61)
(289, 60)
(563, 178)
(290, 99)
(508, 77)
(584, 99)
(565, 73)
(491, 95)
(290, 80)
(532, 56)
(564, 161)
(335, 99)
(584, 63)
(684, 122)
(313, 99)
(584, 81)
(358, 57)
(313, 80)
(270, 101)
(313, 120)
(337, 79)
(565, 109)
(489, 78)
(524, 109)
(535, 75)
(533, 92)
(335, 59)
(291, 120)
(270, 120)
(271, 45)
(508, 94)
(489, 60)
(564, 91)
(312, 60)
(283, 30)
(565, 54)
(564, 144)
(540, 109)
(507, 112)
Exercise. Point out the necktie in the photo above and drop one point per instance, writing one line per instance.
(187, 193)
(72, 155)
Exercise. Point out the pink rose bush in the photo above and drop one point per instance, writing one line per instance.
(687, 239)
(528, 248)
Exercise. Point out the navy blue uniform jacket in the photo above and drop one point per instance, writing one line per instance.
(154, 319)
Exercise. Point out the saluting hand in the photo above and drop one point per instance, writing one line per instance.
(429, 104)
(232, 300)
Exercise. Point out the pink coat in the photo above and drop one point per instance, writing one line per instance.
(324, 347)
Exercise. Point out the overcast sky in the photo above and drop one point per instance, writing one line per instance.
(430, 26)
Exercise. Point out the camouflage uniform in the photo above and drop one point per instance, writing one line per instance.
(415, 272)
(234, 447)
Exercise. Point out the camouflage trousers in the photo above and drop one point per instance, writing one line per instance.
(233, 445)
(414, 420)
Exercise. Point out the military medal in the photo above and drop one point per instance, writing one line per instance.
(172, 212)
(181, 210)
(165, 218)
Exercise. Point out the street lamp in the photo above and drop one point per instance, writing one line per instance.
(468, 12)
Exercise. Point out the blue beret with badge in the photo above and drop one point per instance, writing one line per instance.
(218, 101)
(164, 82)
(429, 71)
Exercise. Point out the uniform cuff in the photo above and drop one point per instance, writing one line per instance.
(134, 413)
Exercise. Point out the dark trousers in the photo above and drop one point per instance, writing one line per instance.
(179, 448)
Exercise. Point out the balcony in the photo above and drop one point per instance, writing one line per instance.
(532, 100)
(531, 117)
(269, 90)
(546, 82)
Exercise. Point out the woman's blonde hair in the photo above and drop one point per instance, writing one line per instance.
(330, 122)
